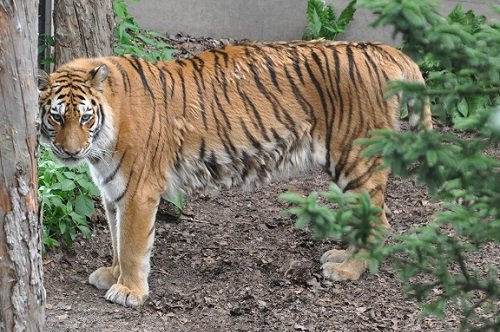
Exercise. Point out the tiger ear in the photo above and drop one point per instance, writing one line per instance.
(97, 76)
(43, 80)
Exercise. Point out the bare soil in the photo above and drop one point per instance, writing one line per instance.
(232, 262)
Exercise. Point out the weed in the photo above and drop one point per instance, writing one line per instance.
(66, 196)
(131, 39)
(322, 21)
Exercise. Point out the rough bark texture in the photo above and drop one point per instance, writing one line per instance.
(22, 296)
(83, 28)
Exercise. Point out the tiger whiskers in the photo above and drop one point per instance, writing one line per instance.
(100, 154)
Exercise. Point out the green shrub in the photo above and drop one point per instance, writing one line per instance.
(322, 21)
(66, 197)
(131, 39)
(464, 52)
(456, 108)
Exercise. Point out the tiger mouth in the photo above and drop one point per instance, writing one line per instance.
(68, 159)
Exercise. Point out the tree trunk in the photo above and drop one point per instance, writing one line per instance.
(83, 28)
(22, 296)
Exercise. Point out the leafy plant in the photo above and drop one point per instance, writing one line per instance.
(45, 50)
(434, 260)
(131, 39)
(66, 199)
(468, 20)
(437, 73)
(323, 22)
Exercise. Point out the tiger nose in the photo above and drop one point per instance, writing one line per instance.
(72, 151)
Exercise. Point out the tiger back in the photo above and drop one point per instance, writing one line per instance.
(236, 116)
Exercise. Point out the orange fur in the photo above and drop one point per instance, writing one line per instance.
(235, 116)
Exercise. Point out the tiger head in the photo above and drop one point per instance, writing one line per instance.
(72, 113)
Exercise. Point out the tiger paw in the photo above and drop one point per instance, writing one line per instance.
(103, 278)
(338, 265)
(125, 296)
(334, 256)
(336, 272)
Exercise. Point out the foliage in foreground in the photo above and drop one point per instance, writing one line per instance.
(434, 260)
(352, 219)
(324, 23)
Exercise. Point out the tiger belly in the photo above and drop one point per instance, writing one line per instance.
(246, 168)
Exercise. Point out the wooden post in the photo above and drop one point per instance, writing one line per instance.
(83, 28)
(22, 296)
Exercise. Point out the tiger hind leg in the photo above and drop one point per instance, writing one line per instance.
(340, 265)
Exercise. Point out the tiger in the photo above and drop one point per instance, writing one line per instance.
(236, 116)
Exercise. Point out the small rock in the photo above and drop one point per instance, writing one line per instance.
(360, 310)
(209, 301)
(261, 304)
(299, 327)
(62, 317)
(313, 282)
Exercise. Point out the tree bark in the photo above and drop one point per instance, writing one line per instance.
(83, 28)
(22, 296)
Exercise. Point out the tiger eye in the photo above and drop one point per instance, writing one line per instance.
(56, 117)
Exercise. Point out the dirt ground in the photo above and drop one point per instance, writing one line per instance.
(232, 262)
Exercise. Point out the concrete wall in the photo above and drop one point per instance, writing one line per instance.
(260, 19)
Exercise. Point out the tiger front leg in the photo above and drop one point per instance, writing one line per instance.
(135, 235)
(105, 277)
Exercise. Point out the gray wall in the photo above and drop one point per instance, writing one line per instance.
(259, 19)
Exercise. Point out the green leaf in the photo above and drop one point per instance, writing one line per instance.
(431, 156)
(178, 201)
(62, 227)
(85, 230)
(55, 201)
(463, 108)
(292, 198)
(77, 219)
(84, 205)
(49, 242)
(316, 25)
(65, 185)
(302, 221)
(347, 15)
(120, 9)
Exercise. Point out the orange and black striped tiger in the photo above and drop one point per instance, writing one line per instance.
(234, 116)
